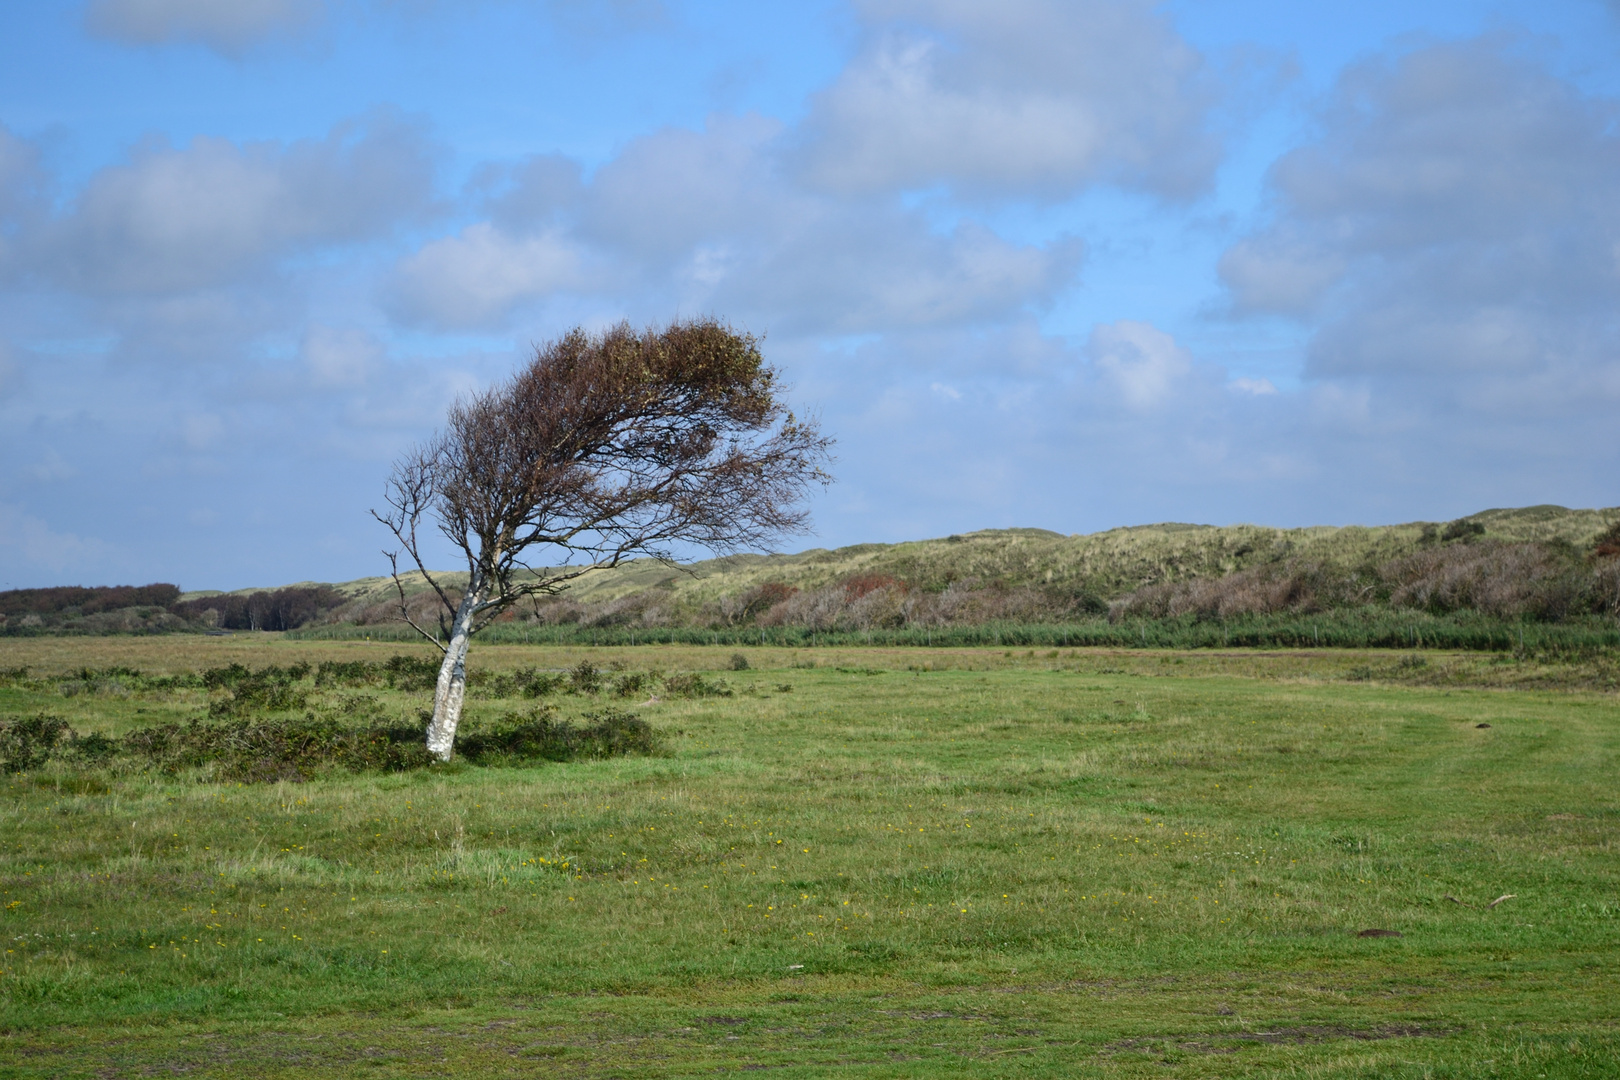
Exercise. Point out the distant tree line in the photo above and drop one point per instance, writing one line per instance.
(157, 608)
(269, 609)
(85, 601)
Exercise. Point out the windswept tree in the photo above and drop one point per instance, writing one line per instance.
(604, 448)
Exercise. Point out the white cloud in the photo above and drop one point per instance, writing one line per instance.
(1268, 273)
(848, 271)
(477, 276)
(534, 194)
(340, 358)
(226, 26)
(1142, 361)
(1257, 387)
(706, 221)
(174, 220)
(1017, 98)
(1455, 221)
(672, 190)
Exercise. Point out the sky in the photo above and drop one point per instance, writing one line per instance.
(1068, 264)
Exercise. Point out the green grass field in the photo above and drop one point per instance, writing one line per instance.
(866, 863)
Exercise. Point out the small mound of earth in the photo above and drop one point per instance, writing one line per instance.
(1379, 933)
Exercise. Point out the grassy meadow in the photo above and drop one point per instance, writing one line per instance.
(861, 862)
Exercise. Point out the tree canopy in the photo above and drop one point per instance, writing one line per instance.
(605, 447)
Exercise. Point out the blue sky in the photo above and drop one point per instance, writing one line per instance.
(1060, 264)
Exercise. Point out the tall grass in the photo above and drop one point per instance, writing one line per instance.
(1366, 628)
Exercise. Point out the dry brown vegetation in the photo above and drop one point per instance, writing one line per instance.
(1543, 581)
(1439, 571)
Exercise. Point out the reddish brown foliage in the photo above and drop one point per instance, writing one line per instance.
(1504, 580)
(1608, 545)
(758, 601)
(1267, 589)
(87, 601)
(861, 584)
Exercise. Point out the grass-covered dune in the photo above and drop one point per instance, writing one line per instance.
(1105, 565)
(878, 863)
(1470, 583)
(1480, 576)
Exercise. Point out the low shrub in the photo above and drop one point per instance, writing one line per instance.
(297, 748)
(695, 685)
(585, 679)
(524, 682)
(631, 683)
(346, 673)
(538, 734)
(1506, 581)
(398, 672)
(269, 689)
(1297, 586)
(402, 672)
(283, 749)
(27, 742)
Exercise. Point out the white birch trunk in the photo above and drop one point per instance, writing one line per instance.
(451, 688)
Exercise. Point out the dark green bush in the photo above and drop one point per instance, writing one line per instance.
(412, 672)
(533, 683)
(228, 677)
(631, 683)
(296, 748)
(269, 689)
(27, 742)
(539, 735)
(585, 679)
(285, 749)
(695, 685)
(92, 749)
(346, 673)
(398, 672)
(524, 682)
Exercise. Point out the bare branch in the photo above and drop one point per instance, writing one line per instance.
(404, 608)
(410, 494)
